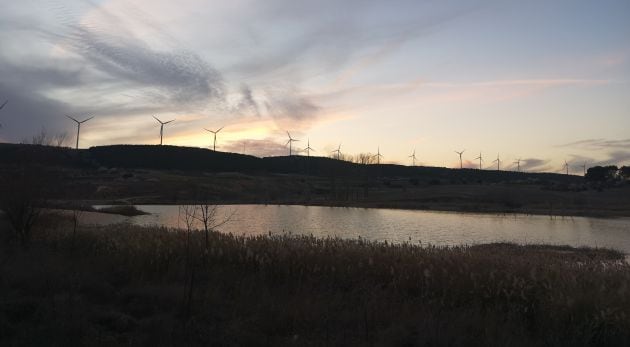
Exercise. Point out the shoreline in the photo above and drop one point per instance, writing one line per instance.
(612, 214)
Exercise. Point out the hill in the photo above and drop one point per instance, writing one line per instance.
(131, 174)
(199, 159)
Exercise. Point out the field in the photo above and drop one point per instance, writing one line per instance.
(172, 187)
(171, 175)
(151, 286)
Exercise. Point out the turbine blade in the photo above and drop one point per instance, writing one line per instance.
(4, 103)
(221, 128)
(157, 119)
(172, 120)
(83, 121)
(73, 119)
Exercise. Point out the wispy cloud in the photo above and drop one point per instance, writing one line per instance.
(171, 77)
(536, 165)
(597, 144)
(260, 148)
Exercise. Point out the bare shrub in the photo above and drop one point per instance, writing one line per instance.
(43, 138)
(22, 197)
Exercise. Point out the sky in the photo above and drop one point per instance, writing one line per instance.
(541, 81)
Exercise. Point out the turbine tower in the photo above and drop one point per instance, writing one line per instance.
(480, 160)
(378, 156)
(291, 140)
(498, 161)
(461, 166)
(1, 107)
(518, 164)
(162, 127)
(79, 127)
(566, 166)
(413, 157)
(338, 151)
(308, 148)
(214, 145)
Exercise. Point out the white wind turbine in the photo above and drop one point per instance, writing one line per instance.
(518, 164)
(461, 166)
(338, 151)
(291, 140)
(308, 148)
(413, 157)
(215, 132)
(498, 161)
(162, 127)
(378, 155)
(480, 160)
(79, 127)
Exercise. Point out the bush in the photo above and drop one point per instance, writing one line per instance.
(21, 199)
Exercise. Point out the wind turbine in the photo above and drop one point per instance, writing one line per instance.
(308, 148)
(498, 161)
(518, 164)
(378, 156)
(214, 145)
(291, 140)
(413, 157)
(480, 160)
(1, 107)
(79, 127)
(162, 127)
(584, 167)
(566, 166)
(338, 151)
(460, 158)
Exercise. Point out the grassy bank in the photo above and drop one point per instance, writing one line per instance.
(153, 286)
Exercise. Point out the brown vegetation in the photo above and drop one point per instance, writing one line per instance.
(153, 286)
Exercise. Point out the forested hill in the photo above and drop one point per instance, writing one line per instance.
(199, 159)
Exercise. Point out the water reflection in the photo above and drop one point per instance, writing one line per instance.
(438, 228)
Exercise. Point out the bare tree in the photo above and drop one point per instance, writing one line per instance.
(44, 139)
(207, 215)
(59, 140)
(365, 158)
(40, 138)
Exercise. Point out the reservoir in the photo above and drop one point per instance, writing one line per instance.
(416, 227)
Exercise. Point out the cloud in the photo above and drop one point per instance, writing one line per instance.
(176, 77)
(260, 148)
(536, 165)
(597, 144)
(616, 157)
(291, 105)
(247, 104)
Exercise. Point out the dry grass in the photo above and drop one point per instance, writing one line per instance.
(153, 286)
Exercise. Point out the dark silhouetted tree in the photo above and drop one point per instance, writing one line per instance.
(602, 173)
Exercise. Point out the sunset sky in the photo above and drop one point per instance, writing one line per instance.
(544, 81)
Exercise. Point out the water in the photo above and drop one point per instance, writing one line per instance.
(437, 228)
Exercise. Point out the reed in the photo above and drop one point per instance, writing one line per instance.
(127, 285)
